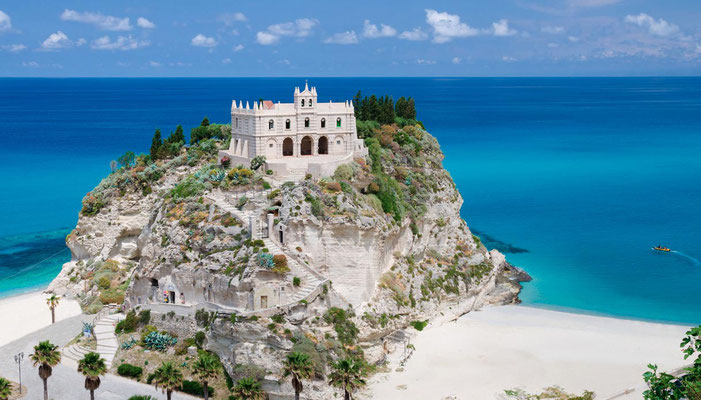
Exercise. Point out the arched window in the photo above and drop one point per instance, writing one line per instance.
(287, 124)
(271, 124)
(310, 102)
(306, 122)
(338, 122)
(306, 146)
(302, 102)
(323, 122)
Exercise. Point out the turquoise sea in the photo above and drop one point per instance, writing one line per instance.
(575, 179)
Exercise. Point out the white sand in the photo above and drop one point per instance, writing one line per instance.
(28, 312)
(498, 348)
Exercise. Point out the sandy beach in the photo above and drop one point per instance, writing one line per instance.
(485, 352)
(26, 313)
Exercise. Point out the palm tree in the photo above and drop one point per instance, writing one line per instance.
(5, 389)
(299, 366)
(167, 378)
(205, 369)
(52, 302)
(248, 389)
(92, 366)
(347, 375)
(46, 356)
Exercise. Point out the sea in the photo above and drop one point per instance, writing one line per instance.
(574, 179)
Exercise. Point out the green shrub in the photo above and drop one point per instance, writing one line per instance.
(104, 282)
(142, 397)
(147, 331)
(144, 317)
(316, 353)
(296, 281)
(128, 324)
(130, 371)
(419, 325)
(112, 296)
(195, 388)
(343, 172)
(199, 339)
(280, 261)
(278, 318)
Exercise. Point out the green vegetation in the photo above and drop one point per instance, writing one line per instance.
(142, 397)
(196, 389)
(553, 393)
(665, 386)
(5, 389)
(248, 389)
(92, 366)
(205, 369)
(345, 328)
(299, 367)
(419, 325)
(168, 378)
(130, 371)
(159, 341)
(347, 375)
(45, 356)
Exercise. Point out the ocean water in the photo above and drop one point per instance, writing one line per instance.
(575, 179)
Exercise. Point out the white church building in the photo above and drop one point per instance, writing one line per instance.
(296, 138)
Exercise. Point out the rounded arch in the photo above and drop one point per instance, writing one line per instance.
(323, 122)
(305, 147)
(288, 147)
(271, 124)
(270, 149)
(323, 145)
(306, 122)
(339, 145)
(288, 124)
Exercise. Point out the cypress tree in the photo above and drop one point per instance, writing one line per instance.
(356, 105)
(205, 122)
(178, 136)
(156, 144)
(410, 109)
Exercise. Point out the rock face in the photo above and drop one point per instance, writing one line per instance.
(333, 267)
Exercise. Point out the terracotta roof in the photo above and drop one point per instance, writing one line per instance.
(268, 105)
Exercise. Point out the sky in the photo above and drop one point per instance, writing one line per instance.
(351, 38)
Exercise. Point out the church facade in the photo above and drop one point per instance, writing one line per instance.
(296, 138)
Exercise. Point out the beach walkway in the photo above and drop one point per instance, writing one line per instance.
(66, 382)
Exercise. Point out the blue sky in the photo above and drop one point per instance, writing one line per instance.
(357, 38)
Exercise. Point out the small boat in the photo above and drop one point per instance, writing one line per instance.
(662, 248)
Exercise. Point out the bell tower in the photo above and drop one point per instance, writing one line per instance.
(306, 99)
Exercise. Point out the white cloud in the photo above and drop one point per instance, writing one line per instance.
(122, 43)
(266, 38)
(508, 59)
(154, 64)
(238, 47)
(59, 40)
(415, 35)
(231, 18)
(573, 39)
(456, 60)
(371, 31)
(422, 61)
(5, 22)
(553, 30)
(203, 41)
(348, 37)
(655, 27)
(32, 64)
(448, 26)
(13, 47)
(226, 61)
(501, 28)
(144, 23)
(106, 22)
(300, 28)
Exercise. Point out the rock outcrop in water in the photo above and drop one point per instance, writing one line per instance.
(336, 266)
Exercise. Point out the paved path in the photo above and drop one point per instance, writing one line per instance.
(67, 383)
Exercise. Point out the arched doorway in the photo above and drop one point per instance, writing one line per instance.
(306, 146)
(287, 147)
(323, 146)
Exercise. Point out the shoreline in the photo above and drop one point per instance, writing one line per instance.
(497, 348)
(27, 312)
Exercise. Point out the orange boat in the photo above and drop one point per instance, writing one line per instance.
(662, 248)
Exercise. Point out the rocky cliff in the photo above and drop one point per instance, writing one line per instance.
(351, 260)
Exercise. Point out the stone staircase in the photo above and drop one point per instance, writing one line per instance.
(309, 282)
(107, 343)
